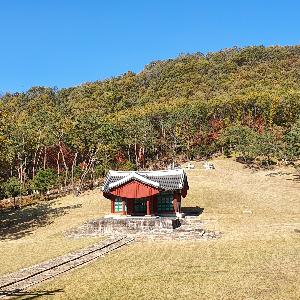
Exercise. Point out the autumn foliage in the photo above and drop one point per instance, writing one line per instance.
(192, 106)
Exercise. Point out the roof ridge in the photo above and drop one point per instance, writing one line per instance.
(162, 179)
(176, 171)
(134, 175)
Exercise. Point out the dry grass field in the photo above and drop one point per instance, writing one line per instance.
(34, 233)
(257, 257)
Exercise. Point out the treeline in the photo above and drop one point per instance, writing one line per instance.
(245, 101)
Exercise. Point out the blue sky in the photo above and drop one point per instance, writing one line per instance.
(65, 43)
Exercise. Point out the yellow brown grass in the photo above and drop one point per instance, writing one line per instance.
(257, 257)
(39, 236)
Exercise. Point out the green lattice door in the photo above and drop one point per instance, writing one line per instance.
(140, 206)
(118, 205)
(165, 202)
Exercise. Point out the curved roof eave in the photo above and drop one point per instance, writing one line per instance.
(133, 176)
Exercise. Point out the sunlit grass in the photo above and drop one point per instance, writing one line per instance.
(39, 241)
(257, 257)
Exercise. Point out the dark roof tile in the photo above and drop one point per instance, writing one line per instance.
(168, 180)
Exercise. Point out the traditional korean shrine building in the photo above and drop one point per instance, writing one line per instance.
(139, 193)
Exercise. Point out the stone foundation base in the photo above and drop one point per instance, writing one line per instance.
(151, 227)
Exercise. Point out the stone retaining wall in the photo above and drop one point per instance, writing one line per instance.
(125, 225)
(153, 228)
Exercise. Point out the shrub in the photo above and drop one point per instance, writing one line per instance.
(44, 180)
(241, 139)
(126, 166)
(13, 188)
(293, 141)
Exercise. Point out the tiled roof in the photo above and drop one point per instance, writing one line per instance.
(133, 176)
(165, 180)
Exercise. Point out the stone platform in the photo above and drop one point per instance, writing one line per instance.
(153, 228)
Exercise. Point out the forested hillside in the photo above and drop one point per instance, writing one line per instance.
(245, 101)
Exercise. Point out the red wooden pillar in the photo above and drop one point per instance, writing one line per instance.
(176, 201)
(112, 206)
(148, 206)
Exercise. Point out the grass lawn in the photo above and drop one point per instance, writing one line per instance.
(34, 233)
(257, 257)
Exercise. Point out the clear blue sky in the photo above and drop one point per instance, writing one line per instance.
(67, 42)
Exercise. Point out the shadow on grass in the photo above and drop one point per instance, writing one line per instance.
(30, 295)
(279, 173)
(295, 177)
(192, 211)
(15, 224)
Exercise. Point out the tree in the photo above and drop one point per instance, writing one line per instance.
(268, 147)
(292, 139)
(172, 110)
(13, 188)
(44, 180)
(241, 139)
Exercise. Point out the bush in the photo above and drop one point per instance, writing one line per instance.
(293, 142)
(2, 190)
(126, 166)
(44, 180)
(267, 146)
(241, 139)
(100, 171)
(13, 188)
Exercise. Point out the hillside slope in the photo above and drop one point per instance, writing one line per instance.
(183, 107)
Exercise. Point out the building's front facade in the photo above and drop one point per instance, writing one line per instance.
(139, 193)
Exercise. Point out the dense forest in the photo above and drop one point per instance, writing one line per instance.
(241, 101)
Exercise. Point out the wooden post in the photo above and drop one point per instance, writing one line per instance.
(124, 206)
(129, 207)
(155, 209)
(112, 206)
(148, 207)
(176, 202)
(133, 206)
